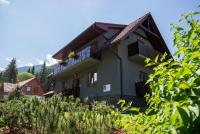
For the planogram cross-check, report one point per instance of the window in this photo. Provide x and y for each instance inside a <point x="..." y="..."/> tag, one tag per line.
<point x="143" y="76"/>
<point x="29" y="88"/>
<point x="92" y="78"/>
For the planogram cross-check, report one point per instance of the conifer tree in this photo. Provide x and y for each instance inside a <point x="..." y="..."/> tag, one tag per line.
<point x="10" y="74"/>
<point x="33" y="70"/>
<point x="1" y="77"/>
<point x="29" y="70"/>
<point x="43" y="74"/>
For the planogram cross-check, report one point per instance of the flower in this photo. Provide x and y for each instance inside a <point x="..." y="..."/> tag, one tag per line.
<point x="72" y="54"/>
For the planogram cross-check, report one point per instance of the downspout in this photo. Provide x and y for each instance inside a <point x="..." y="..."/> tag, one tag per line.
<point x="118" y="57"/>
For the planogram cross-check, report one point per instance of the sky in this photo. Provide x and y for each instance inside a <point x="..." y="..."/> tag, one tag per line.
<point x="33" y="30"/>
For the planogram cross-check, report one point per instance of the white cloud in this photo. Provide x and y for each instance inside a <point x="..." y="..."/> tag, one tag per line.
<point x="30" y="64"/>
<point x="8" y="59"/>
<point x="6" y="2"/>
<point x="39" y="62"/>
<point x="49" y="60"/>
<point x="2" y="69"/>
<point x="19" y="61"/>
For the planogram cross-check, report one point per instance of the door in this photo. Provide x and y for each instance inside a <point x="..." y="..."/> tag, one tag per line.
<point x="76" y="87"/>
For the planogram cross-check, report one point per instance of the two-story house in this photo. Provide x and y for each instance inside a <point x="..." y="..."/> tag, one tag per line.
<point x="106" y="61"/>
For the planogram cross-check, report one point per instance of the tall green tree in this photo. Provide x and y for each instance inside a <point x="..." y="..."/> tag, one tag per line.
<point x="43" y="74"/>
<point x="10" y="74"/>
<point x="1" y="77"/>
<point x="33" y="70"/>
<point x="29" y="70"/>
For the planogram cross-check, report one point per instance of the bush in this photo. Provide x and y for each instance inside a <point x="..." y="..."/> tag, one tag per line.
<point x="59" y="115"/>
<point x="174" y="105"/>
<point x="24" y="76"/>
<point x="16" y="94"/>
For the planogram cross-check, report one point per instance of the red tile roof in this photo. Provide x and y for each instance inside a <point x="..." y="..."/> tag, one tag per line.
<point x="129" y="28"/>
<point x="87" y="35"/>
<point x="90" y="33"/>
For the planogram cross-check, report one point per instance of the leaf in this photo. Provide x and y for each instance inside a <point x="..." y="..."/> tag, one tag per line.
<point x="198" y="72"/>
<point x="134" y="109"/>
<point x="156" y="59"/>
<point x="194" y="109"/>
<point x="186" y="71"/>
<point x="183" y="85"/>
<point x="147" y="60"/>
<point x="174" y="117"/>
<point x="184" y="115"/>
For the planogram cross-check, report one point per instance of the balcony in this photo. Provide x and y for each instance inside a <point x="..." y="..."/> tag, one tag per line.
<point x="85" y="58"/>
<point x="138" y="52"/>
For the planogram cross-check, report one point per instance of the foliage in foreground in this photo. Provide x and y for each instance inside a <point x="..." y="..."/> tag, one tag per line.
<point x="58" y="115"/>
<point x="174" y="105"/>
<point x="16" y="94"/>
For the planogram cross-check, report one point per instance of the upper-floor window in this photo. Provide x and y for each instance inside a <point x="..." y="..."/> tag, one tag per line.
<point x="143" y="76"/>
<point x="92" y="78"/>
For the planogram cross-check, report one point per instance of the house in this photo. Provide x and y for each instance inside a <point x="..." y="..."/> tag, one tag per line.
<point x="30" y="87"/>
<point x="106" y="61"/>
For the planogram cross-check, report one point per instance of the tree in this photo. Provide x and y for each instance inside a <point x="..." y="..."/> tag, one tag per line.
<point x="16" y="94"/>
<point x="29" y="70"/>
<point x="10" y="74"/>
<point x="24" y="76"/>
<point x="43" y="75"/>
<point x="33" y="70"/>
<point x="1" y="77"/>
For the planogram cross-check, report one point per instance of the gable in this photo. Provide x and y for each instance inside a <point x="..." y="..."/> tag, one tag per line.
<point x="148" y="26"/>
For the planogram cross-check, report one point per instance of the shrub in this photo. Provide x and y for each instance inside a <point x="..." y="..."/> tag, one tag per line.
<point x="16" y="94"/>
<point x="59" y="115"/>
<point x="24" y="76"/>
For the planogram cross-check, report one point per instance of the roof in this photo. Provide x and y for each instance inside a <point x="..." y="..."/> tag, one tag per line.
<point x="129" y="28"/>
<point x="90" y="33"/>
<point x="22" y="83"/>
<point x="9" y="87"/>
<point x="48" y="93"/>
<point x="86" y="36"/>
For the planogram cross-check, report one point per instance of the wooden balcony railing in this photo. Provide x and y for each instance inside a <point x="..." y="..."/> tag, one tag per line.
<point x="142" y="49"/>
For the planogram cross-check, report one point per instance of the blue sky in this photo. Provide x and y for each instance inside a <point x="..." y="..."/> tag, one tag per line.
<point x="33" y="30"/>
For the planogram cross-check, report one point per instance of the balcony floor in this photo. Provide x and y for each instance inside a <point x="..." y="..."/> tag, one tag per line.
<point x="140" y="59"/>
<point x="76" y="68"/>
